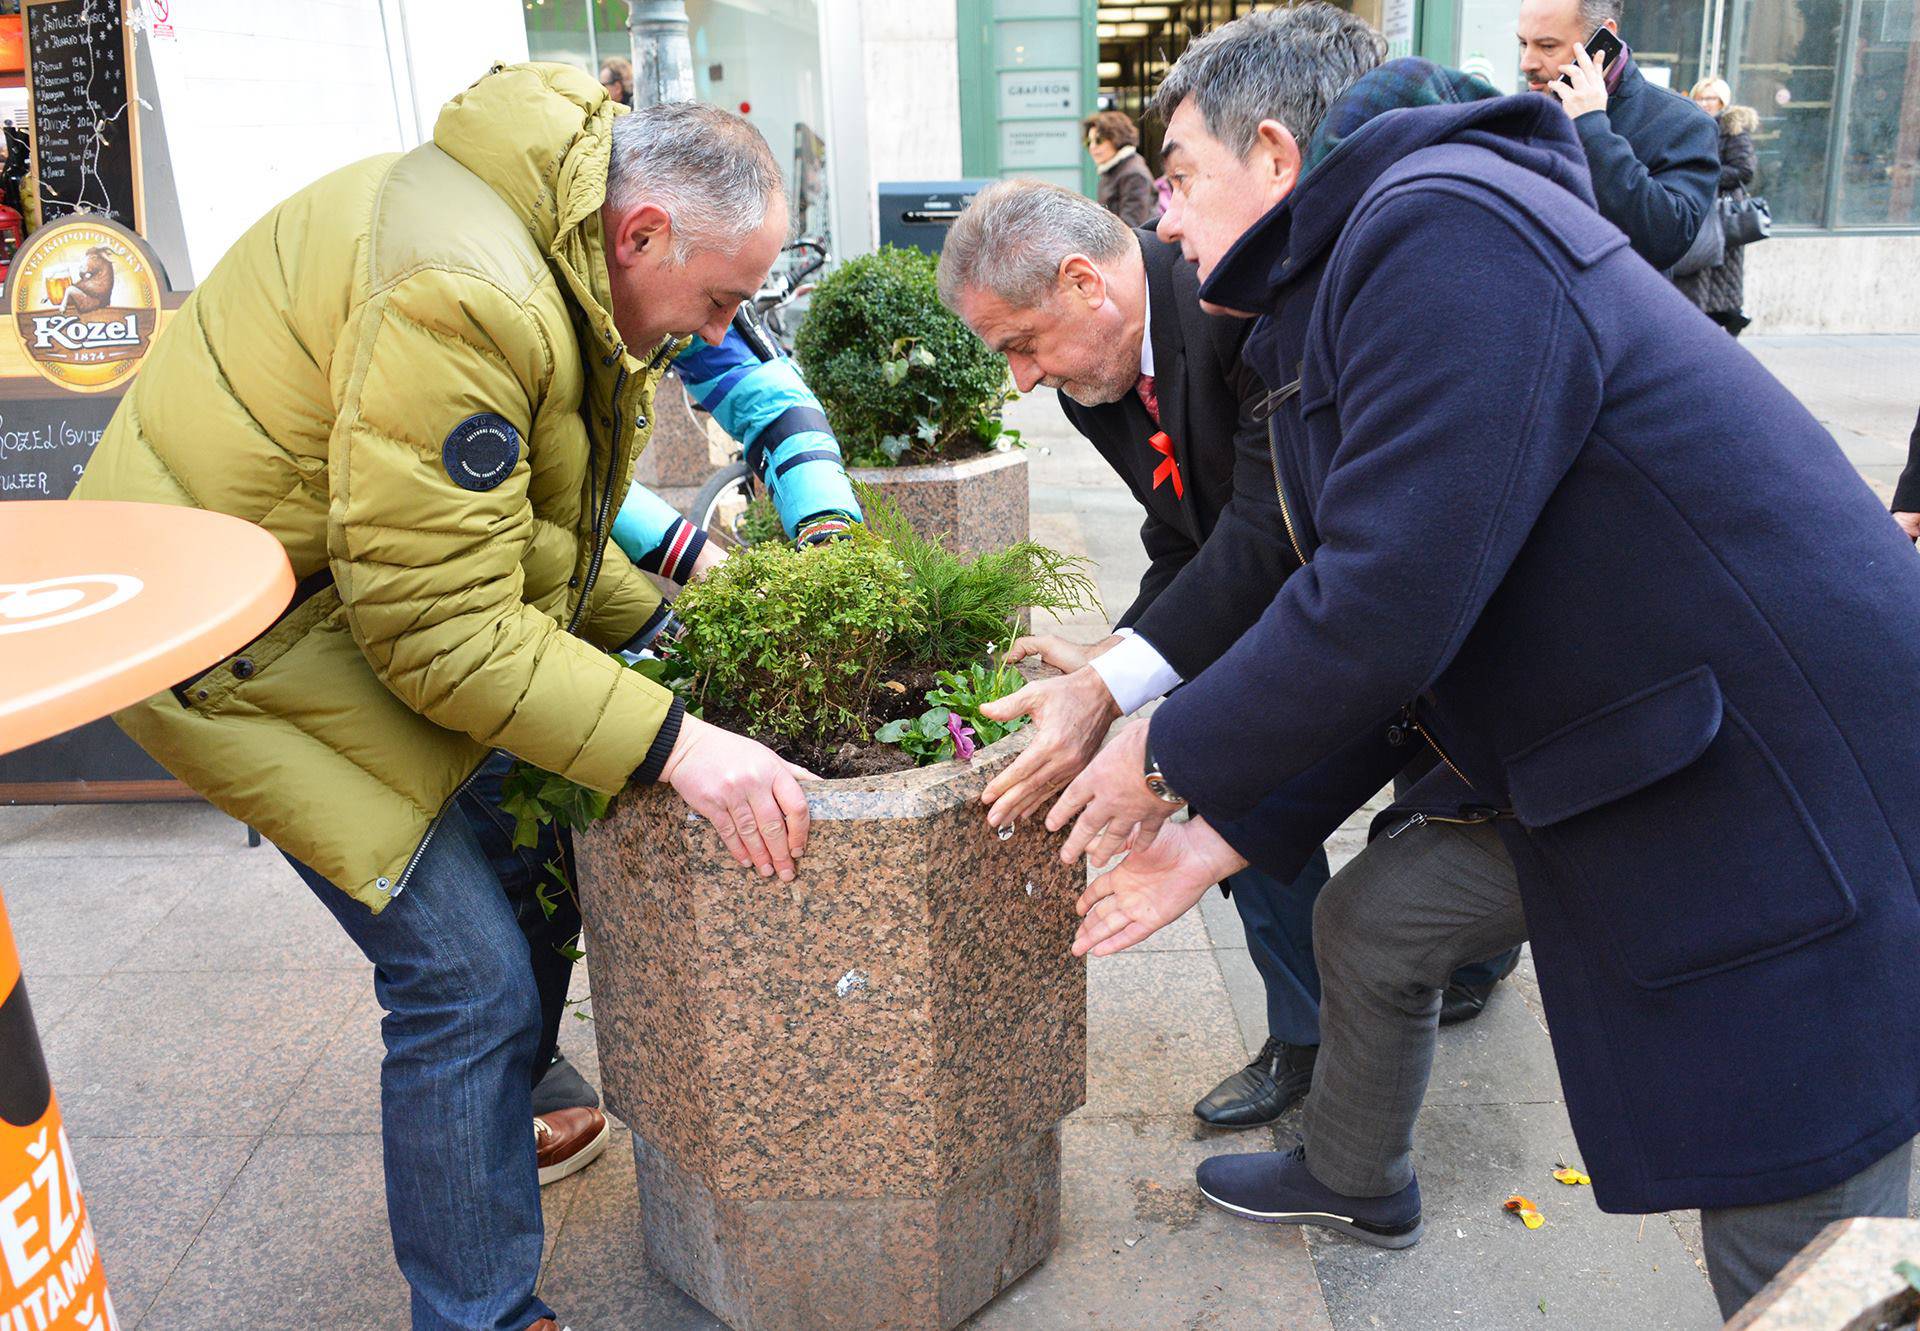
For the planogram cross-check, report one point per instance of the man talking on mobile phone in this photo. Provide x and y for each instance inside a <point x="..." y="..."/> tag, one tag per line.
<point x="1655" y="157"/>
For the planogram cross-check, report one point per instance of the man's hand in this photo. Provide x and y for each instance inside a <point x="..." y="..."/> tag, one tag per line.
<point x="1064" y="656"/>
<point x="1910" y="524"/>
<point x="1114" y="807"/>
<point x="1154" y="886"/>
<point x="752" y="797"/>
<point x="711" y="556"/>
<point x="1070" y="716"/>
<point x="1584" y="88"/>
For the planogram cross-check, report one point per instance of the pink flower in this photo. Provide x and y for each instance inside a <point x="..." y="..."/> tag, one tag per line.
<point x="963" y="745"/>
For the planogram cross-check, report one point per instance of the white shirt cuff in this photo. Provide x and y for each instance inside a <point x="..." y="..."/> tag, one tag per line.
<point x="1135" y="673"/>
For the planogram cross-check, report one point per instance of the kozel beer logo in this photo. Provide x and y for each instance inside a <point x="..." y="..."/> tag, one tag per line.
<point x="86" y="303"/>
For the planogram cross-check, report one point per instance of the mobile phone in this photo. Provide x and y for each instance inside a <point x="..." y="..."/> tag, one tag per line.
<point x="1605" y="48"/>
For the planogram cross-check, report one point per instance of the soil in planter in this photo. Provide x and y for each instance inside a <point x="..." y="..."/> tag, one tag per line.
<point x="900" y="694"/>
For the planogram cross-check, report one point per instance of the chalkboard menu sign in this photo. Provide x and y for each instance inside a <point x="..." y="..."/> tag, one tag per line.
<point x="81" y="102"/>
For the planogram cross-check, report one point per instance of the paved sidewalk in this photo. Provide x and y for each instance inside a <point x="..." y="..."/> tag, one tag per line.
<point x="214" y="1042"/>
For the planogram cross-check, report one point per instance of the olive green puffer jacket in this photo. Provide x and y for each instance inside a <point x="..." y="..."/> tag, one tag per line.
<point x="356" y="350"/>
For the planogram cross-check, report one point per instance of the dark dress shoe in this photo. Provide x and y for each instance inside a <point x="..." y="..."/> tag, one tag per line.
<point x="1260" y="1092"/>
<point x="1463" y="1002"/>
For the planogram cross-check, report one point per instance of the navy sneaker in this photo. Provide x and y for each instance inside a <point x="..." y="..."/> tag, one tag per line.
<point x="1274" y="1187"/>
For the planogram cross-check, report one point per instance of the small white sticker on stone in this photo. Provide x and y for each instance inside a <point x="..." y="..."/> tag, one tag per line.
<point x="1004" y="831"/>
<point x="851" y="983"/>
<point x="1030" y="888"/>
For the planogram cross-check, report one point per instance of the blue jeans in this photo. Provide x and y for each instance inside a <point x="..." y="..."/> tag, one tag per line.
<point x="465" y="965"/>
<point x="1278" y="918"/>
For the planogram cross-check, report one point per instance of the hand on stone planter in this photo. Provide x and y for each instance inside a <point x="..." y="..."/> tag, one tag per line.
<point x="1071" y="715"/>
<point x="1154" y="886"/>
<point x="1064" y="656"/>
<point x="1114" y="808"/>
<point x="751" y="796"/>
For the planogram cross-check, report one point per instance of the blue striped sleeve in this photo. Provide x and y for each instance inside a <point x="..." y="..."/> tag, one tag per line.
<point x="655" y="537"/>
<point x="769" y="409"/>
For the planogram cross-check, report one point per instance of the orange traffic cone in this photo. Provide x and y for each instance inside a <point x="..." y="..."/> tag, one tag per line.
<point x="50" y="1274"/>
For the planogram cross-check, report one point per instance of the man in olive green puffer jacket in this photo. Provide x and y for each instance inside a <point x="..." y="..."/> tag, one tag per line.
<point x="428" y="376"/>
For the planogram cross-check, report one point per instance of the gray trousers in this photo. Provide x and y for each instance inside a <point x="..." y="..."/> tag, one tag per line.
<point x="1388" y="930"/>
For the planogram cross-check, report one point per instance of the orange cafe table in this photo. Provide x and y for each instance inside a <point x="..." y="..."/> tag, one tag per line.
<point x="101" y="605"/>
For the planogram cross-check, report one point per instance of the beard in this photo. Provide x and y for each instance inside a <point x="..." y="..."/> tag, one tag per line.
<point x="1090" y="393"/>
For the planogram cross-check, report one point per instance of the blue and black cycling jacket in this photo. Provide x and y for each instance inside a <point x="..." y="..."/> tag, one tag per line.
<point x="764" y="405"/>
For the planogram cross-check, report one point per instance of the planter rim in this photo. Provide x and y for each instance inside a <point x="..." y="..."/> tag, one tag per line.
<point x="995" y="460"/>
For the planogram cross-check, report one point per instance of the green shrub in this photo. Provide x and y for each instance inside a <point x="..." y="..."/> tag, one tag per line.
<point x="792" y="640"/>
<point x="973" y="606"/>
<point x="902" y="379"/>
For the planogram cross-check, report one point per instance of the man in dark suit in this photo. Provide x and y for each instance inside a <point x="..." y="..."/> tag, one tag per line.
<point x="1112" y="319"/>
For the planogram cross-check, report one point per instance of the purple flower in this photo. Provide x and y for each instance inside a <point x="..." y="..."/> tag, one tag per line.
<point x="963" y="745"/>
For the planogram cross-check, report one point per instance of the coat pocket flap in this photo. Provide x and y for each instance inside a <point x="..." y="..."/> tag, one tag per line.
<point x="1623" y="747"/>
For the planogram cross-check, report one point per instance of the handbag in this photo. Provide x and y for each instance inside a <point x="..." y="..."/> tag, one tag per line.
<point x="1744" y="220"/>
<point x="1708" y="250"/>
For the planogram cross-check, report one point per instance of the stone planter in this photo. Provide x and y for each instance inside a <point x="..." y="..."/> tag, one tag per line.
<point x="973" y="506"/>
<point x="685" y="448"/>
<point x="1842" y="1281"/>
<point x="845" y="1092"/>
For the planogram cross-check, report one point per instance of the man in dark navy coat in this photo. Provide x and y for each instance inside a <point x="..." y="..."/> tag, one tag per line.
<point x="1671" y="632"/>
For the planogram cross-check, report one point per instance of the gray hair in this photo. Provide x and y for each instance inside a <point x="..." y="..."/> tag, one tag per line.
<point x="1595" y="13"/>
<point x="1286" y="65"/>
<point x="1014" y="235"/>
<point x="709" y="169"/>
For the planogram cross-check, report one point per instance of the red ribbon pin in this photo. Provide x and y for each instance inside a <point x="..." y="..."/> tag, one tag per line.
<point x="1164" y="447"/>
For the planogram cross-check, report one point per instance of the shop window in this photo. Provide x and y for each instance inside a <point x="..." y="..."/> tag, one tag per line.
<point x="1787" y="70"/>
<point x="1880" y="163"/>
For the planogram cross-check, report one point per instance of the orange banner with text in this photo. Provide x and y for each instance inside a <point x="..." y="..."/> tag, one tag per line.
<point x="50" y="1273"/>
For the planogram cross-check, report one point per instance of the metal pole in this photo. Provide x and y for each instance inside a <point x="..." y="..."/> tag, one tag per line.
<point x="662" y="54"/>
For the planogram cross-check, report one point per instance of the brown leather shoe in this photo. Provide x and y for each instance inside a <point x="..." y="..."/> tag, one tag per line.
<point x="568" y="1140"/>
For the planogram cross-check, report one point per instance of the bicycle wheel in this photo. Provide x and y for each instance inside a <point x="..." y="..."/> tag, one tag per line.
<point x="721" y="505"/>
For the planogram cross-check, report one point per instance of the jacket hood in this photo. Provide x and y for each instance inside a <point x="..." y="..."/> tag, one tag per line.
<point x="1395" y="111"/>
<point x="1739" y="120"/>
<point x="541" y="136"/>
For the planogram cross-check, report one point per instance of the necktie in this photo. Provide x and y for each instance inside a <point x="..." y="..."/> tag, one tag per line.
<point x="1148" y="398"/>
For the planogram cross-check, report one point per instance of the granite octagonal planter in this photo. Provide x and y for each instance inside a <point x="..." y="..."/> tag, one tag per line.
<point x="845" y="1092"/>
<point x="974" y="505"/>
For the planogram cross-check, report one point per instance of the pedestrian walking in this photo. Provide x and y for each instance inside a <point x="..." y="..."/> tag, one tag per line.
<point x="1720" y="291"/>
<point x="1126" y="186"/>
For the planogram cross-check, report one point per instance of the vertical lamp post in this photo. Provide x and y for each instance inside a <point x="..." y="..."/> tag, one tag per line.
<point x="662" y="55"/>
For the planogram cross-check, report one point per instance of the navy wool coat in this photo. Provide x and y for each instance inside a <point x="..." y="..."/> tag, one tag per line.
<point x="1640" y="597"/>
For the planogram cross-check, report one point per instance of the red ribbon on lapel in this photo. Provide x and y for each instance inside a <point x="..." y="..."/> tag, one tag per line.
<point x="1164" y="447"/>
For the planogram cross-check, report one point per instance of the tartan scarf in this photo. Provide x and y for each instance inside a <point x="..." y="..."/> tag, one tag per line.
<point x="1409" y="81"/>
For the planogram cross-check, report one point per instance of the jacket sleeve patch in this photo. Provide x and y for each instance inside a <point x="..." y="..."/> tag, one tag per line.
<point x="480" y="452"/>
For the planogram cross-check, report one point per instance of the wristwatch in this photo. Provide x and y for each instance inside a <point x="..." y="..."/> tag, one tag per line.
<point x="1157" y="781"/>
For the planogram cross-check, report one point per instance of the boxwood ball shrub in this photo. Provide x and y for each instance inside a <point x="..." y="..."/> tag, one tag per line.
<point x="793" y="641"/>
<point x="901" y="377"/>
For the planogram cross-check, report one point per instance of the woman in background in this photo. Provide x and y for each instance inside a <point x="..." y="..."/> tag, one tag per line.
<point x="1126" y="186"/>
<point x="1720" y="291"/>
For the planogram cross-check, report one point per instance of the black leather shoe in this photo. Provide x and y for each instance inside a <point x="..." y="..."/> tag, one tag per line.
<point x="1260" y="1092"/>
<point x="1464" y="1002"/>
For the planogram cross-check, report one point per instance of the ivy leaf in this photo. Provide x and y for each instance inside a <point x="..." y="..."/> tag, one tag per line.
<point x="1908" y="1271"/>
<point x="893" y="372"/>
<point x="895" y="447"/>
<point x="922" y="357"/>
